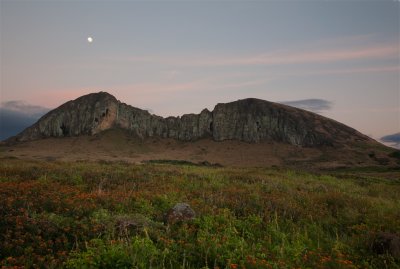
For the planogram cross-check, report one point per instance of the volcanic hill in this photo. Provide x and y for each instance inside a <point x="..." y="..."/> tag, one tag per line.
<point x="250" y="132"/>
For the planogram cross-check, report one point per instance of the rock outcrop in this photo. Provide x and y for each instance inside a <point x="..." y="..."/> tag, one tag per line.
<point x="180" y="212"/>
<point x="250" y="120"/>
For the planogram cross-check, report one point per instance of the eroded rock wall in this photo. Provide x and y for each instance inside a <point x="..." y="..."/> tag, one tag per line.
<point x="250" y="120"/>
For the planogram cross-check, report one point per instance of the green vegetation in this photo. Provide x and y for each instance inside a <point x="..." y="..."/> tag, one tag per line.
<point x="110" y="215"/>
<point x="395" y="154"/>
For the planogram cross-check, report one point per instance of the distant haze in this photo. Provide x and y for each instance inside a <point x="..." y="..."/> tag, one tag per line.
<point x="336" y="58"/>
<point x="393" y="140"/>
<point x="15" y="116"/>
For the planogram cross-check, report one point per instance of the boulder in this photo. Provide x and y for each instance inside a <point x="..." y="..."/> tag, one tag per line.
<point x="180" y="212"/>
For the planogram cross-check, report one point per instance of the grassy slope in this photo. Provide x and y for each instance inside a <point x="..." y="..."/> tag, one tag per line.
<point x="110" y="215"/>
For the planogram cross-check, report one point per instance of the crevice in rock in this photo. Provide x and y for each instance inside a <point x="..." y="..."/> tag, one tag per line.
<point x="64" y="129"/>
<point x="258" y="126"/>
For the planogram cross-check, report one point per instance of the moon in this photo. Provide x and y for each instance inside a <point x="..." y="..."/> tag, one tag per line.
<point x="90" y="39"/>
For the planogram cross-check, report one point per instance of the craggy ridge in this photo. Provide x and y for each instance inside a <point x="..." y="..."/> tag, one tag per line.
<point x="249" y="120"/>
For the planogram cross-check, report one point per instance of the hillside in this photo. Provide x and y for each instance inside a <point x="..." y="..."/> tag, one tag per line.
<point x="249" y="120"/>
<point x="120" y="145"/>
<point x="248" y="132"/>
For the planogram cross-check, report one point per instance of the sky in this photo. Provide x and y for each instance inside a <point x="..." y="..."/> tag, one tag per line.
<point x="337" y="58"/>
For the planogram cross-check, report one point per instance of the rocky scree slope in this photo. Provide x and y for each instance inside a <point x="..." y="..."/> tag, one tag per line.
<point x="250" y="120"/>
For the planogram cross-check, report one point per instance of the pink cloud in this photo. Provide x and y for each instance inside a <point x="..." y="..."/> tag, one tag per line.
<point x="371" y="69"/>
<point x="378" y="69"/>
<point x="285" y="57"/>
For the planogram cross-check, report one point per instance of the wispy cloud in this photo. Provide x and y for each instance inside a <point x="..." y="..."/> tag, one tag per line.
<point x="285" y="57"/>
<point x="314" y="105"/>
<point x="370" y="69"/>
<point x="304" y="72"/>
<point x="328" y="53"/>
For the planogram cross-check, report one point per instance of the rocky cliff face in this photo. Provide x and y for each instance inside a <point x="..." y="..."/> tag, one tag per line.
<point x="249" y="120"/>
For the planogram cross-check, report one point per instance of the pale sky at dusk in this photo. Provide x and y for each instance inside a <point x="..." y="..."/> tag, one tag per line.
<point x="177" y="57"/>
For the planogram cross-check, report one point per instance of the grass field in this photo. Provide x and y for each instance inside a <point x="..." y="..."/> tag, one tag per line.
<point x="110" y="215"/>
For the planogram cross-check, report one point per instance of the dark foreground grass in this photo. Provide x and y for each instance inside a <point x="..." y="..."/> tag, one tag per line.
<point x="110" y="215"/>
